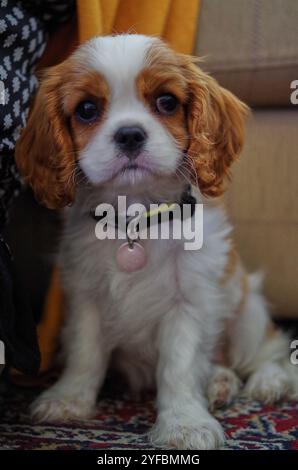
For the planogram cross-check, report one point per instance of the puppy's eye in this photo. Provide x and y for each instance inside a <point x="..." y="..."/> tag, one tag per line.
<point x="87" y="111"/>
<point x="167" y="104"/>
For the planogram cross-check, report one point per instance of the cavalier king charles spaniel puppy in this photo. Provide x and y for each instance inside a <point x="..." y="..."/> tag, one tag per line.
<point x="126" y="115"/>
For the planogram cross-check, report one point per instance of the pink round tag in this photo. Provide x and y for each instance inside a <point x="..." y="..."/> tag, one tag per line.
<point x="131" y="258"/>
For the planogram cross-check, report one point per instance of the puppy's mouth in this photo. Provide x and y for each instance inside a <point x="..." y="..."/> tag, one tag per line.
<point x="134" y="173"/>
<point x="131" y="166"/>
<point x="131" y="171"/>
<point x="136" y="167"/>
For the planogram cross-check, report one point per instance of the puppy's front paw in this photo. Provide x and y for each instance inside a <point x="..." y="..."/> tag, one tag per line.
<point x="184" y="432"/>
<point x="223" y="387"/>
<point x="269" y="384"/>
<point x="53" y="406"/>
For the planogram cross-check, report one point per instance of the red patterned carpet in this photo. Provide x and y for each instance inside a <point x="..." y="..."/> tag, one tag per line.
<point x="122" y="424"/>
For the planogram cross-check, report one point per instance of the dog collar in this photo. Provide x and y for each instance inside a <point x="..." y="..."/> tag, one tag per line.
<point x="131" y="255"/>
<point x="187" y="199"/>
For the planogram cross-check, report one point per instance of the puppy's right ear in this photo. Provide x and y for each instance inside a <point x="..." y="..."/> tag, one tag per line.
<point x="216" y="122"/>
<point x="44" y="152"/>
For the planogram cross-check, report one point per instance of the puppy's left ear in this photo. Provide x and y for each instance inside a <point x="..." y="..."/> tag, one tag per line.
<point x="216" y="121"/>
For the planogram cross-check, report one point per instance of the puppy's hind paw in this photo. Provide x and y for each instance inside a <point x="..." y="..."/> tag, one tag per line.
<point x="224" y="386"/>
<point x="269" y="384"/>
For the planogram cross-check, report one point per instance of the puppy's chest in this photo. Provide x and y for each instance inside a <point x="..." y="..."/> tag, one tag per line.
<point x="171" y="275"/>
<point x="143" y="291"/>
<point x="170" y="278"/>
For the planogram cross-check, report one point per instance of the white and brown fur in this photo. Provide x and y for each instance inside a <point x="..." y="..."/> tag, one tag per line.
<point x="161" y="326"/>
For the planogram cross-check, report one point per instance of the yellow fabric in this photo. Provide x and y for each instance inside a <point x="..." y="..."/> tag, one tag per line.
<point x="49" y="328"/>
<point x="175" y="21"/>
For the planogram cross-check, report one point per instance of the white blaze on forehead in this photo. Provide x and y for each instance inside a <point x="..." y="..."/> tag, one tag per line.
<point x="118" y="58"/>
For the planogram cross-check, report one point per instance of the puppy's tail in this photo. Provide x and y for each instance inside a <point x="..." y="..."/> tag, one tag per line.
<point x="250" y="328"/>
<point x="257" y="341"/>
<point x="279" y="348"/>
<point x="256" y="282"/>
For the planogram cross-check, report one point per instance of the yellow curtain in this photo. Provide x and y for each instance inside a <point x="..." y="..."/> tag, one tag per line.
<point x="175" y="21"/>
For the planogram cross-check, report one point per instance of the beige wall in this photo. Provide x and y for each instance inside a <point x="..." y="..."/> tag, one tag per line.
<point x="263" y="203"/>
<point x="251" y="47"/>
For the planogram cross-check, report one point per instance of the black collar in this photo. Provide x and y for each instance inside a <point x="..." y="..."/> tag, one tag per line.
<point x="186" y="199"/>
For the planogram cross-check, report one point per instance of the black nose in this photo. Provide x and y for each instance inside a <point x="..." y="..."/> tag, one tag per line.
<point x="130" y="138"/>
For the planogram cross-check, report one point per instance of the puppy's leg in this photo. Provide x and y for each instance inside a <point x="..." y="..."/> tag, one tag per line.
<point x="259" y="352"/>
<point x="223" y="387"/>
<point x="183" y="420"/>
<point x="74" y="394"/>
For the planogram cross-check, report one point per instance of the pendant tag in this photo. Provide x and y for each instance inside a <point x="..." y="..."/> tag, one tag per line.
<point x="131" y="257"/>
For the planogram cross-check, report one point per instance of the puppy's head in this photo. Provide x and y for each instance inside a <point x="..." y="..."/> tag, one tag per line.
<point x="125" y="109"/>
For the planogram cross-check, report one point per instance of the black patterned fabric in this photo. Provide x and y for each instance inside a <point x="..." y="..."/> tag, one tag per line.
<point x="9" y="185"/>
<point x="24" y="29"/>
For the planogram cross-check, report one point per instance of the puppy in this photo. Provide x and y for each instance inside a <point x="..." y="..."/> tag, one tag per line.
<point x="126" y="115"/>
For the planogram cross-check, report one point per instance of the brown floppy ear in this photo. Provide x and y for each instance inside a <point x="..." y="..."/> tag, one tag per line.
<point x="44" y="152"/>
<point x="216" y="126"/>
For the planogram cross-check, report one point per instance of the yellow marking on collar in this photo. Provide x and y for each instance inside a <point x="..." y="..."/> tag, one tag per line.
<point x="164" y="207"/>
